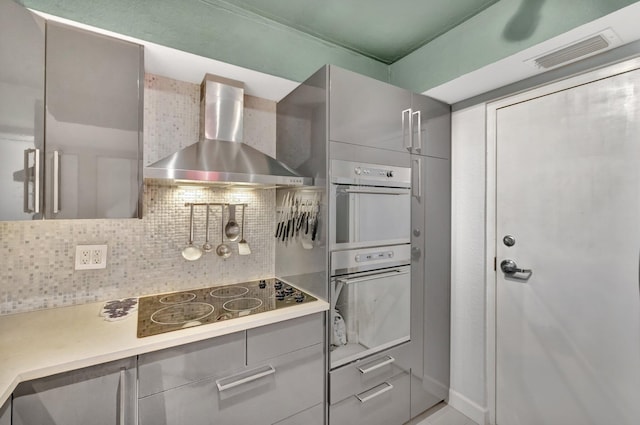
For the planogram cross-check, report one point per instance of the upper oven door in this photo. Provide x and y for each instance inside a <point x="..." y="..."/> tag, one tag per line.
<point x="371" y="205"/>
<point x="370" y="216"/>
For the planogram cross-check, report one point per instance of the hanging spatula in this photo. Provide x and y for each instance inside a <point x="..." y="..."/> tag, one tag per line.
<point x="243" y="246"/>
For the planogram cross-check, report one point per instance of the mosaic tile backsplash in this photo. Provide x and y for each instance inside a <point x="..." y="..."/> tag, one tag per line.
<point x="144" y="256"/>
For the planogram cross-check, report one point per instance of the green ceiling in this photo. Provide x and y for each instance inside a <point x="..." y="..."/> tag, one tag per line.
<point x="380" y="38"/>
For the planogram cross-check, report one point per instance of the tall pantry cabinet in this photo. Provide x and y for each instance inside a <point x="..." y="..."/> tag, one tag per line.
<point x="338" y="114"/>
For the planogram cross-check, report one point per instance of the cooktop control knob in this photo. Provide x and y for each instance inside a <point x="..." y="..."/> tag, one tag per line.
<point x="280" y="295"/>
<point x="299" y="297"/>
<point x="277" y="284"/>
<point x="390" y="173"/>
<point x="288" y="290"/>
<point x="262" y="284"/>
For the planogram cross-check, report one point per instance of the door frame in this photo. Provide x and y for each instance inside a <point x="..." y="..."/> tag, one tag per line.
<point x="490" y="196"/>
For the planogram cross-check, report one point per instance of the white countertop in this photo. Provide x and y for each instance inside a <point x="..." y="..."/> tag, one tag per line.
<point x="46" y="342"/>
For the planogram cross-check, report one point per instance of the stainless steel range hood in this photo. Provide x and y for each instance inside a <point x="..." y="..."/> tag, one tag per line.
<point x="220" y="157"/>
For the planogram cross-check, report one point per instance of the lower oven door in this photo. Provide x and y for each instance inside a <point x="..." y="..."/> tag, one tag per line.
<point x="369" y="216"/>
<point x="370" y="312"/>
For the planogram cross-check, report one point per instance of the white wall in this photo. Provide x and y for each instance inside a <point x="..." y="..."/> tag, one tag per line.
<point x="468" y="289"/>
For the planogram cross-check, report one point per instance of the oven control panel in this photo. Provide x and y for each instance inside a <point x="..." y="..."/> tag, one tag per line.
<point x="372" y="256"/>
<point x="364" y="259"/>
<point x="358" y="172"/>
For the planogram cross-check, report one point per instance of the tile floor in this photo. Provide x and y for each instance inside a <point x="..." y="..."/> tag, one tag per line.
<point x="442" y="414"/>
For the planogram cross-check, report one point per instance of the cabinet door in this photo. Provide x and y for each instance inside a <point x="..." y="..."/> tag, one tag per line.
<point x="99" y="395"/>
<point x="431" y="127"/>
<point x="368" y="112"/>
<point x="93" y="119"/>
<point x="5" y="413"/>
<point x="21" y="112"/>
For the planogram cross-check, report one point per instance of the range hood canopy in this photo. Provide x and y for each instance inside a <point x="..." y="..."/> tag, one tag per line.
<point x="220" y="157"/>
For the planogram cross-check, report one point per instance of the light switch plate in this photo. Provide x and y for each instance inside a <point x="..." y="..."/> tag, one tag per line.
<point x="91" y="257"/>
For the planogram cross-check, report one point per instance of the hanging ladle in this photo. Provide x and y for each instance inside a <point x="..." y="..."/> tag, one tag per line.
<point x="207" y="247"/>
<point x="223" y="249"/>
<point x="232" y="230"/>
<point x="191" y="252"/>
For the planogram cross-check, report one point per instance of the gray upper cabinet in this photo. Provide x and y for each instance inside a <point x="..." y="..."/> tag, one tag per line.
<point x="368" y="112"/>
<point x="93" y="120"/>
<point x="21" y="112"/>
<point x="431" y="122"/>
<point x="76" y="150"/>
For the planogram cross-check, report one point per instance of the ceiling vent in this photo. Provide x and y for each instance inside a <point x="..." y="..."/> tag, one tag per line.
<point x="604" y="40"/>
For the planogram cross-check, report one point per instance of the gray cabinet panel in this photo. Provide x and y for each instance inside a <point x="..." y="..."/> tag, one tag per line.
<point x="22" y="47"/>
<point x="99" y="395"/>
<point x="5" y="413"/>
<point x="93" y="120"/>
<point x="430" y="296"/>
<point x="280" y="338"/>
<point x="312" y="416"/>
<point x="170" y="368"/>
<point x="365" y="111"/>
<point x="435" y="127"/>
<point x="349" y="379"/>
<point x="296" y="383"/>
<point x="384" y="404"/>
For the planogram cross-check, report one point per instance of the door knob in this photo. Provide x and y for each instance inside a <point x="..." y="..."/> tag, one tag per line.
<point x="510" y="267"/>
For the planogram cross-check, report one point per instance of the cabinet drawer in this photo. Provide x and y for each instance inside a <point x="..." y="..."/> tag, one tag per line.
<point x="173" y="367"/>
<point x="312" y="416"/>
<point x="384" y="404"/>
<point x="366" y="373"/>
<point x="269" y="341"/>
<point x="297" y="382"/>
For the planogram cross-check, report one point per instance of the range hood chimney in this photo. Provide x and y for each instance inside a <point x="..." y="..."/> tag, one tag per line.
<point x="220" y="157"/>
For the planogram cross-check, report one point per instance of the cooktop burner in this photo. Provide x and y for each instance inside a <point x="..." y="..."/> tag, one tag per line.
<point x="179" y="310"/>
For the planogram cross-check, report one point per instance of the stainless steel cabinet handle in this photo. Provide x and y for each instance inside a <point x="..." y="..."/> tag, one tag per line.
<point x="406" y="125"/>
<point x="387" y="387"/>
<point x="36" y="181"/>
<point x="123" y="395"/>
<point x="510" y="267"/>
<point x="416" y="185"/>
<point x="418" y="115"/>
<point x="56" y="182"/>
<point x="245" y="377"/>
<point x="383" y="363"/>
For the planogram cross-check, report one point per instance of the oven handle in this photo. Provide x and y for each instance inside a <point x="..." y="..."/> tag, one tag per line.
<point x="376" y="191"/>
<point x="347" y="281"/>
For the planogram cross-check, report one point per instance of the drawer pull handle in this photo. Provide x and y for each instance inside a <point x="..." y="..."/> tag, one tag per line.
<point x="389" y="360"/>
<point x="245" y="377"/>
<point x="388" y="387"/>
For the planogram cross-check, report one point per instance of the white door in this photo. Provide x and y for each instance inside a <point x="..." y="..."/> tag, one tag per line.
<point x="568" y="192"/>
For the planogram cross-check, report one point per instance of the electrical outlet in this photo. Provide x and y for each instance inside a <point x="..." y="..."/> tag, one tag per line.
<point x="91" y="257"/>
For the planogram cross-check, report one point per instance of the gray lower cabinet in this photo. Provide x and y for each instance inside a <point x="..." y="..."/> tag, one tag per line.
<point x="375" y="390"/>
<point x="387" y="403"/>
<point x="5" y="413"/>
<point x="311" y="416"/>
<point x="98" y="395"/>
<point x="266" y="375"/>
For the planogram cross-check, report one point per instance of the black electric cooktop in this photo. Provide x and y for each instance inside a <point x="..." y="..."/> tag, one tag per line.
<point x="178" y="310"/>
